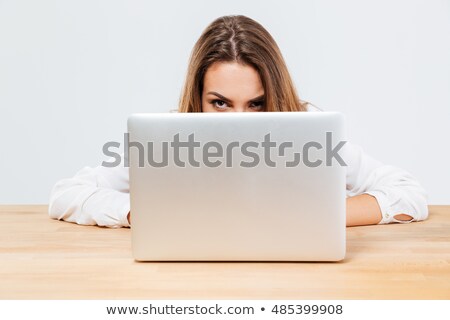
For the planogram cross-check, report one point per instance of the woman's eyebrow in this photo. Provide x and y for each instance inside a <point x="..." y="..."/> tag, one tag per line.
<point x="228" y="100"/>
<point x="259" y="98"/>
<point x="219" y="96"/>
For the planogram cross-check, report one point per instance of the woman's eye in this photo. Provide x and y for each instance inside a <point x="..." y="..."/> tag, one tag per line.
<point x="219" y="104"/>
<point x="258" y="105"/>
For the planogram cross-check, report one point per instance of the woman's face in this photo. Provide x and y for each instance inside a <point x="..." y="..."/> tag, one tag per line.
<point x="232" y="87"/>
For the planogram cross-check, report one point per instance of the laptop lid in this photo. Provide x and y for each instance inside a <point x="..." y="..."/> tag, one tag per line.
<point x="255" y="186"/>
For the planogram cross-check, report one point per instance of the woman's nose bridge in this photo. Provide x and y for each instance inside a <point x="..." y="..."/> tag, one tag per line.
<point x="240" y="108"/>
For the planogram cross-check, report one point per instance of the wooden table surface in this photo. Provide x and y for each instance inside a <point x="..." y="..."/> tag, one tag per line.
<point x="42" y="258"/>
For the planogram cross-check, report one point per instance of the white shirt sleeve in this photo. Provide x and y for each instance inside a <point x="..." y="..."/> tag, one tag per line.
<point x="94" y="196"/>
<point x="395" y="189"/>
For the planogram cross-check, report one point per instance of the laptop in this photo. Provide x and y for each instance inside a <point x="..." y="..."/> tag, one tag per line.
<point x="250" y="186"/>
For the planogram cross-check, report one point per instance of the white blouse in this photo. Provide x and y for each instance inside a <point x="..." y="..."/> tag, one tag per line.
<point x="100" y="195"/>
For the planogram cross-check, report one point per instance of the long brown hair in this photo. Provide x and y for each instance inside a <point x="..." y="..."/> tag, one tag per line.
<point x="243" y="40"/>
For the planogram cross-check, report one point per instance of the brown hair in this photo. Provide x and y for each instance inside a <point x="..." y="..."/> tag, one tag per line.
<point x="243" y="40"/>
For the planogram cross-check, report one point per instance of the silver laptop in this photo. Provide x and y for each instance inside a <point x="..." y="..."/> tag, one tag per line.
<point x="252" y="186"/>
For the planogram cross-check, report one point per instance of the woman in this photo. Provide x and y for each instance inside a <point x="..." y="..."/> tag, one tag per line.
<point x="236" y="66"/>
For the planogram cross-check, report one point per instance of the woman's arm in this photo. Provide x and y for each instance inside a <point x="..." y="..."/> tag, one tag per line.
<point x="364" y="210"/>
<point x="378" y="193"/>
<point x="94" y="196"/>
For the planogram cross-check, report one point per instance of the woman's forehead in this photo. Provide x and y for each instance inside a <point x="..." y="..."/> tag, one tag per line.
<point x="233" y="80"/>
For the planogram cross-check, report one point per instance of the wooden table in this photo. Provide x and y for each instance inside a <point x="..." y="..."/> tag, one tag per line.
<point x="45" y="259"/>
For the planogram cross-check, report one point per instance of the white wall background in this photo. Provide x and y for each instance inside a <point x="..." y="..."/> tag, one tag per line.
<point x="72" y="71"/>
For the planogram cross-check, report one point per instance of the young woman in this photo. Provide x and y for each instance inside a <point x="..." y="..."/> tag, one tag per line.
<point x="236" y="66"/>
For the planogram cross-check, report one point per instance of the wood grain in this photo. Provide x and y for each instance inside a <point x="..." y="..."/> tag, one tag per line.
<point x="45" y="259"/>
